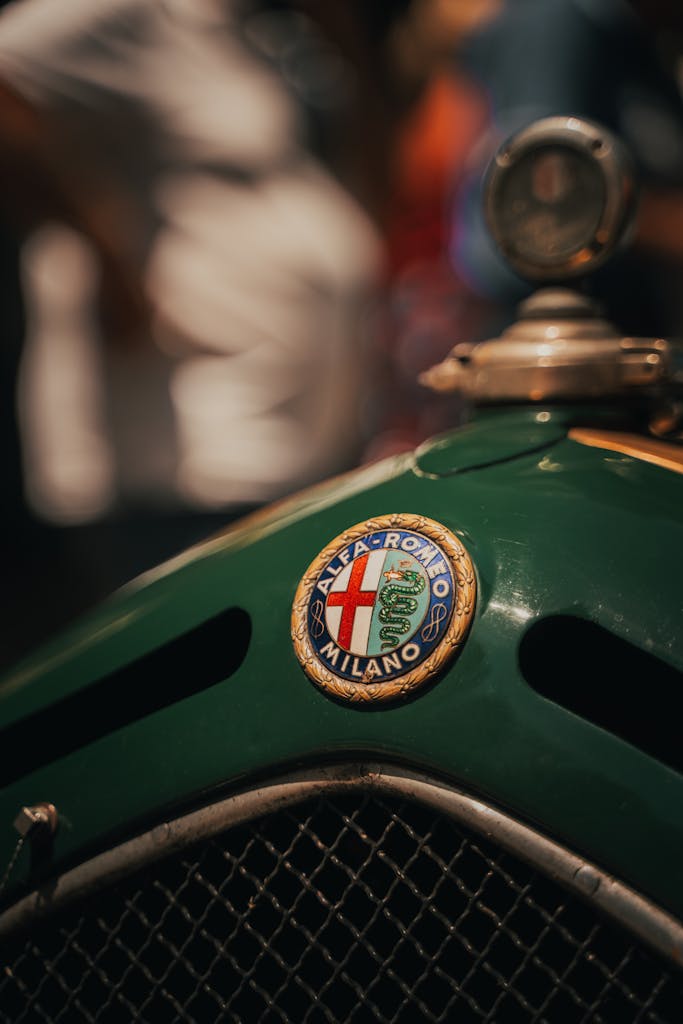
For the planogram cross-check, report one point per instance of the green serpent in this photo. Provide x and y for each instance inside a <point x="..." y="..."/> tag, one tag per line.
<point x="397" y="601"/>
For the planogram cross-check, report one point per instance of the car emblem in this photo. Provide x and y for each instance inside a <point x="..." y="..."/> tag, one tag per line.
<point x="384" y="608"/>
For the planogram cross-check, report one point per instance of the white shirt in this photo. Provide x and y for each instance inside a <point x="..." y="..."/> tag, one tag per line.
<point x="259" y="266"/>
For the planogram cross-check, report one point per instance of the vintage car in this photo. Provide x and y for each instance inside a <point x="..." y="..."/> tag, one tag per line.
<point x="406" y="746"/>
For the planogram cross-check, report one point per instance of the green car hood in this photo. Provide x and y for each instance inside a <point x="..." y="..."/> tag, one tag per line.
<point x="186" y="683"/>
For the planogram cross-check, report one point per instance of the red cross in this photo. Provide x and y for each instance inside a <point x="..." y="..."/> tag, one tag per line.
<point x="350" y="599"/>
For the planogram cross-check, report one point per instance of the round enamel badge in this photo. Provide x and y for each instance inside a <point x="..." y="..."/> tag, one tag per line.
<point x="383" y="608"/>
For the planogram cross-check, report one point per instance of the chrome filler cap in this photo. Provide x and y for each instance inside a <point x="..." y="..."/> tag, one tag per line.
<point x="560" y="347"/>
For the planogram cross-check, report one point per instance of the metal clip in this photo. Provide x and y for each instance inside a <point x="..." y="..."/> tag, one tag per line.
<point x="37" y="822"/>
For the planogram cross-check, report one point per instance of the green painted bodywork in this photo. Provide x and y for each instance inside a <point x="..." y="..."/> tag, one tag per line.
<point x="552" y="526"/>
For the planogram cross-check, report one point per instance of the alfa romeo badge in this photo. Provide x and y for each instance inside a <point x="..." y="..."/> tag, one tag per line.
<point x="384" y="608"/>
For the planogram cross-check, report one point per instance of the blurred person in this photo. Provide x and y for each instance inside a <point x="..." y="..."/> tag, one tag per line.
<point x="182" y="159"/>
<point x="200" y="175"/>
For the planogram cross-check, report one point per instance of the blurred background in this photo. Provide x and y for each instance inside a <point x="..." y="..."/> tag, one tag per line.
<point x="233" y="233"/>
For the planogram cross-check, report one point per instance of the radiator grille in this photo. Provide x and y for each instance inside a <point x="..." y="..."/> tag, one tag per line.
<point x="350" y="908"/>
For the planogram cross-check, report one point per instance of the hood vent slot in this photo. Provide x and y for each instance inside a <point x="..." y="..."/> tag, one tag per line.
<point x="608" y="681"/>
<point x="188" y="664"/>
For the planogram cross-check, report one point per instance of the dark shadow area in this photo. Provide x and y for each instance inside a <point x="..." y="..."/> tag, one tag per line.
<point x="187" y="665"/>
<point x="609" y="682"/>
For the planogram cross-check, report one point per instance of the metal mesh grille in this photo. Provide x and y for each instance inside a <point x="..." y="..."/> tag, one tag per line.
<point x="351" y="908"/>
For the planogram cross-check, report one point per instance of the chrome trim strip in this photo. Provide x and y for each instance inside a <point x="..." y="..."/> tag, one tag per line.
<point x="639" y="915"/>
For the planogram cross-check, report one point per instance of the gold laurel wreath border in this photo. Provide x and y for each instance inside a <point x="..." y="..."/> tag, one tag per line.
<point x="461" y="615"/>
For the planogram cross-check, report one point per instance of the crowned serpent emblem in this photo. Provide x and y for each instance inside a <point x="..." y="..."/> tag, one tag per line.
<point x="398" y="600"/>
<point x="383" y="608"/>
